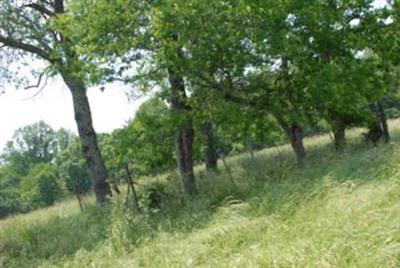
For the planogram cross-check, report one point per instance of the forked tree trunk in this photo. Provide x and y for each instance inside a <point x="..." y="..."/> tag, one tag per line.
<point x="184" y="135"/>
<point x="295" y="134"/>
<point x="88" y="138"/>
<point x="210" y="153"/>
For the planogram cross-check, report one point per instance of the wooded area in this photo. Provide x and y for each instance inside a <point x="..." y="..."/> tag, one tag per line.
<point x="232" y="69"/>
<point x="222" y="78"/>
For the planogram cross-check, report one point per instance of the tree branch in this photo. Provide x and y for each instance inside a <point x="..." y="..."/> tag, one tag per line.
<point x="38" y="82"/>
<point x="41" y="9"/>
<point x="10" y="42"/>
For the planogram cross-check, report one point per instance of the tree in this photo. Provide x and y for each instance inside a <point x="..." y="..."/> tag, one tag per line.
<point x="9" y="198"/>
<point x="336" y="76"/>
<point x="146" y="143"/>
<point x="32" y="144"/>
<point x="28" y="28"/>
<point x="380" y="41"/>
<point x="40" y="187"/>
<point x="135" y="41"/>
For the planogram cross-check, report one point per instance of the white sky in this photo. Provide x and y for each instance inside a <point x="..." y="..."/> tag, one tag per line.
<point x="380" y="3"/>
<point x="110" y="109"/>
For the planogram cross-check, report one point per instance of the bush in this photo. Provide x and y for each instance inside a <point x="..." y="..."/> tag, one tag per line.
<point x="9" y="202"/>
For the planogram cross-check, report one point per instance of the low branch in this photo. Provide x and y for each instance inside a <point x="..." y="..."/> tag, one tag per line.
<point x="38" y="82"/>
<point x="226" y="93"/>
<point x="12" y="43"/>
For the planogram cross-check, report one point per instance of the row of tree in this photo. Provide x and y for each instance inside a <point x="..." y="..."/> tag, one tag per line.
<point x="217" y="64"/>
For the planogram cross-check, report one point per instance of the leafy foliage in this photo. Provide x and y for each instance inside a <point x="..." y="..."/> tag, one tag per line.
<point x="40" y="187"/>
<point x="72" y="169"/>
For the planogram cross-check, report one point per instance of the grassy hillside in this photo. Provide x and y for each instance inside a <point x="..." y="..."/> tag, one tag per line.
<point x="335" y="211"/>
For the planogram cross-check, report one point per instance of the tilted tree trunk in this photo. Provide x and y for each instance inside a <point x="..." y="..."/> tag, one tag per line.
<point x="184" y="135"/>
<point x="88" y="138"/>
<point x="210" y="152"/>
<point x="295" y="134"/>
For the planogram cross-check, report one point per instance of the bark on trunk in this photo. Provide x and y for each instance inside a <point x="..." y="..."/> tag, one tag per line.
<point x="184" y="135"/>
<point x="295" y="135"/>
<point x="184" y="152"/>
<point x="296" y="139"/>
<point x="210" y="153"/>
<point x="383" y="122"/>
<point x="340" y="139"/>
<point x="88" y="138"/>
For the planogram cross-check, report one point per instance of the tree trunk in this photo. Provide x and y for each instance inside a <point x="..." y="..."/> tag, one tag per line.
<point x="184" y="135"/>
<point x="296" y="140"/>
<point x="295" y="135"/>
<point x="383" y="122"/>
<point x="210" y="153"/>
<point x="184" y="153"/>
<point x="88" y="138"/>
<point x="339" y="133"/>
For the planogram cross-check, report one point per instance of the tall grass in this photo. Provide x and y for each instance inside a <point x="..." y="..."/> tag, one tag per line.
<point x="333" y="211"/>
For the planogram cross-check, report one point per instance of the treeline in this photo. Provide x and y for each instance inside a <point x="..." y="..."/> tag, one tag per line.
<point x="241" y="66"/>
<point x="40" y="166"/>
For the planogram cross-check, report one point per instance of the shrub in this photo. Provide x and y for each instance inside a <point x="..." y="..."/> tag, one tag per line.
<point x="9" y="202"/>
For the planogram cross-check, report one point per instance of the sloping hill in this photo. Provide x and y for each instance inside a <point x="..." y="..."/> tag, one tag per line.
<point x="335" y="211"/>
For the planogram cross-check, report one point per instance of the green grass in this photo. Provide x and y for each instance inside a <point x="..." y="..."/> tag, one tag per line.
<point x="334" y="211"/>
